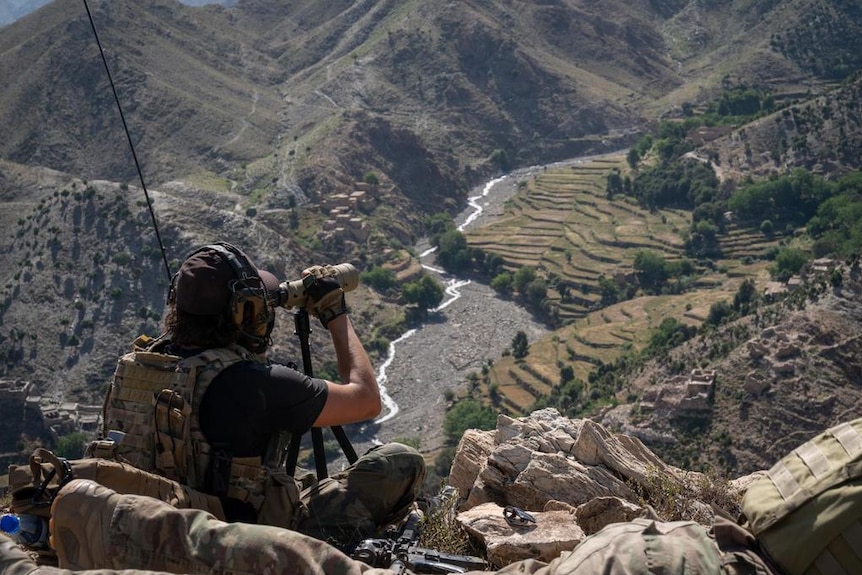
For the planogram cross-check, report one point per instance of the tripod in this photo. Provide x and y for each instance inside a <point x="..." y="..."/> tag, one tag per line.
<point x="302" y="329"/>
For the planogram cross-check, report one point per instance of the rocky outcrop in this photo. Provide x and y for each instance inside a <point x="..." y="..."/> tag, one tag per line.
<point x="571" y="477"/>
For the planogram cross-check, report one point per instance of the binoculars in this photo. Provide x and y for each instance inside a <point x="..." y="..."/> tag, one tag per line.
<point x="292" y="293"/>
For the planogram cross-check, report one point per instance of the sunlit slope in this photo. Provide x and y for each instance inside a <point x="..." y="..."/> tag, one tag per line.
<point x="562" y="223"/>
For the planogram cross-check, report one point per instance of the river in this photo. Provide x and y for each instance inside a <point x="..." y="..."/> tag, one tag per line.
<point x="471" y="326"/>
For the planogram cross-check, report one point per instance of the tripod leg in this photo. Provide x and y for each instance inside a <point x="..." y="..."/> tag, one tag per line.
<point x="301" y="323"/>
<point x="292" y="454"/>
<point x="319" y="452"/>
<point x="345" y="444"/>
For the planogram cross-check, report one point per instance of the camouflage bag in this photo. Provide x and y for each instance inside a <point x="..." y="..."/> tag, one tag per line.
<point x="806" y="512"/>
<point x="641" y="547"/>
<point x="34" y="485"/>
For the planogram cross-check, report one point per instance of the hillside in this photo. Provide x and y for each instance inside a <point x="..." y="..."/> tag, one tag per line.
<point x="564" y="223"/>
<point x="253" y="123"/>
<point x="780" y="376"/>
<point x="300" y="104"/>
<point x="14" y="9"/>
<point x="732" y="398"/>
<point x="822" y="135"/>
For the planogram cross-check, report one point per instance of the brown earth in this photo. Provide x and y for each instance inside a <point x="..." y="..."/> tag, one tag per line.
<point x="782" y="375"/>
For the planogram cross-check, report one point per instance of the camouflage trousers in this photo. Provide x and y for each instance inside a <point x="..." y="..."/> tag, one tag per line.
<point x="94" y="529"/>
<point x="377" y="490"/>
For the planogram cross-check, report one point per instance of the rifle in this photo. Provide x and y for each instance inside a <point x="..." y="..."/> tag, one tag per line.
<point x="402" y="553"/>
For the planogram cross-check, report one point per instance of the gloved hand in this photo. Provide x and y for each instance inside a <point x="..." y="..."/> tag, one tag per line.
<point x="325" y="298"/>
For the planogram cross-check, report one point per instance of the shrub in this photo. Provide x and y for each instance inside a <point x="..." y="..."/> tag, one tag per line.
<point x="467" y="414"/>
<point x="380" y="279"/>
<point x="71" y="446"/>
<point x="502" y="283"/>
<point x="520" y="345"/>
<point x="371" y="178"/>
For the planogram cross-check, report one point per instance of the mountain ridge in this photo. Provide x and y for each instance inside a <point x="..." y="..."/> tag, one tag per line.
<point x="248" y="119"/>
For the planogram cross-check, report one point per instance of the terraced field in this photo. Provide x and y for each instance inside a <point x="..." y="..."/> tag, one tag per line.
<point x="562" y="224"/>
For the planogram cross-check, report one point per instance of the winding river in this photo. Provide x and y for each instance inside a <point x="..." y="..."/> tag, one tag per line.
<point x="471" y="326"/>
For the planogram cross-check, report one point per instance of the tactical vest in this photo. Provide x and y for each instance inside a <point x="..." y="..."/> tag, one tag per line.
<point x="806" y="511"/>
<point x="151" y="412"/>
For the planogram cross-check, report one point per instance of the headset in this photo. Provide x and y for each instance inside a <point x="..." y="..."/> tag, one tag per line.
<point x="249" y="308"/>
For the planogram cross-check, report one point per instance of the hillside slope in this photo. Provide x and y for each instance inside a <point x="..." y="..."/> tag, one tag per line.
<point x="248" y="120"/>
<point x="781" y="375"/>
<point x="300" y="102"/>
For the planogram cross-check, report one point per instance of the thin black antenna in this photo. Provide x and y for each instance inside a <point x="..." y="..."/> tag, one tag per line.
<point x="131" y="145"/>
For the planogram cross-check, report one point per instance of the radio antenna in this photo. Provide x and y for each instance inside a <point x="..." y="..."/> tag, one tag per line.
<point x="131" y="145"/>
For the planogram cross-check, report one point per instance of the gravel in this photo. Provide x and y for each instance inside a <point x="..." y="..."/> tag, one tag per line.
<point x="471" y="326"/>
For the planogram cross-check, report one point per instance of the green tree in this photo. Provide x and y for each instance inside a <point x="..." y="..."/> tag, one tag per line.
<point x="522" y="278"/>
<point x="494" y="264"/>
<point x="379" y="278"/>
<point x="436" y="224"/>
<point x="536" y="291"/>
<point x="745" y="298"/>
<point x="467" y="414"/>
<point x="520" y="345"/>
<point x="670" y="333"/>
<point x="788" y="262"/>
<point x="427" y="293"/>
<point x="615" y="184"/>
<point x="702" y="241"/>
<point x="502" y="283"/>
<point x="71" y="446"/>
<point x="609" y="290"/>
<point x="633" y="157"/>
<point x="718" y="312"/>
<point x="371" y="178"/>
<point x="650" y="268"/>
<point x="453" y="252"/>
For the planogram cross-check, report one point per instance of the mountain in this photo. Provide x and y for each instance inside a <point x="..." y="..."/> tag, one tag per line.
<point x="249" y="122"/>
<point x="12" y="10"/>
<point x="420" y="94"/>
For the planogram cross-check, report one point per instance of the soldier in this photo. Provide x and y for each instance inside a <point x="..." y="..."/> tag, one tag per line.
<point x="221" y="405"/>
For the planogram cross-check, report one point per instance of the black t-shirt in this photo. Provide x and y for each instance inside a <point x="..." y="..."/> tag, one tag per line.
<point x="248" y="402"/>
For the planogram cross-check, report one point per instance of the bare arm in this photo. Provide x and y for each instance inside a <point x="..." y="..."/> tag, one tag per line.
<point x="357" y="397"/>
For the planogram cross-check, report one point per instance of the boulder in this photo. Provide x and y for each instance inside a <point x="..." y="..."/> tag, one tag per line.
<point x="553" y="532"/>
<point x="545" y="456"/>
<point x="573" y="475"/>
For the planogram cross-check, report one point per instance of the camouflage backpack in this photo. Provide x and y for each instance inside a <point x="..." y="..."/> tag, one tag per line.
<point x="806" y="512"/>
<point x="643" y="546"/>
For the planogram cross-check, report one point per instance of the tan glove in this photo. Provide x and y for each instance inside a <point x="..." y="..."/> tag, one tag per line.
<point x="325" y="299"/>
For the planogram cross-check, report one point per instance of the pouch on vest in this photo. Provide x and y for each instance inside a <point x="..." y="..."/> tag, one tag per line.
<point x="283" y="507"/>
<point x="172" y="415"/>
<point x="141" y="377"/>
<point x="806" y="512"/>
